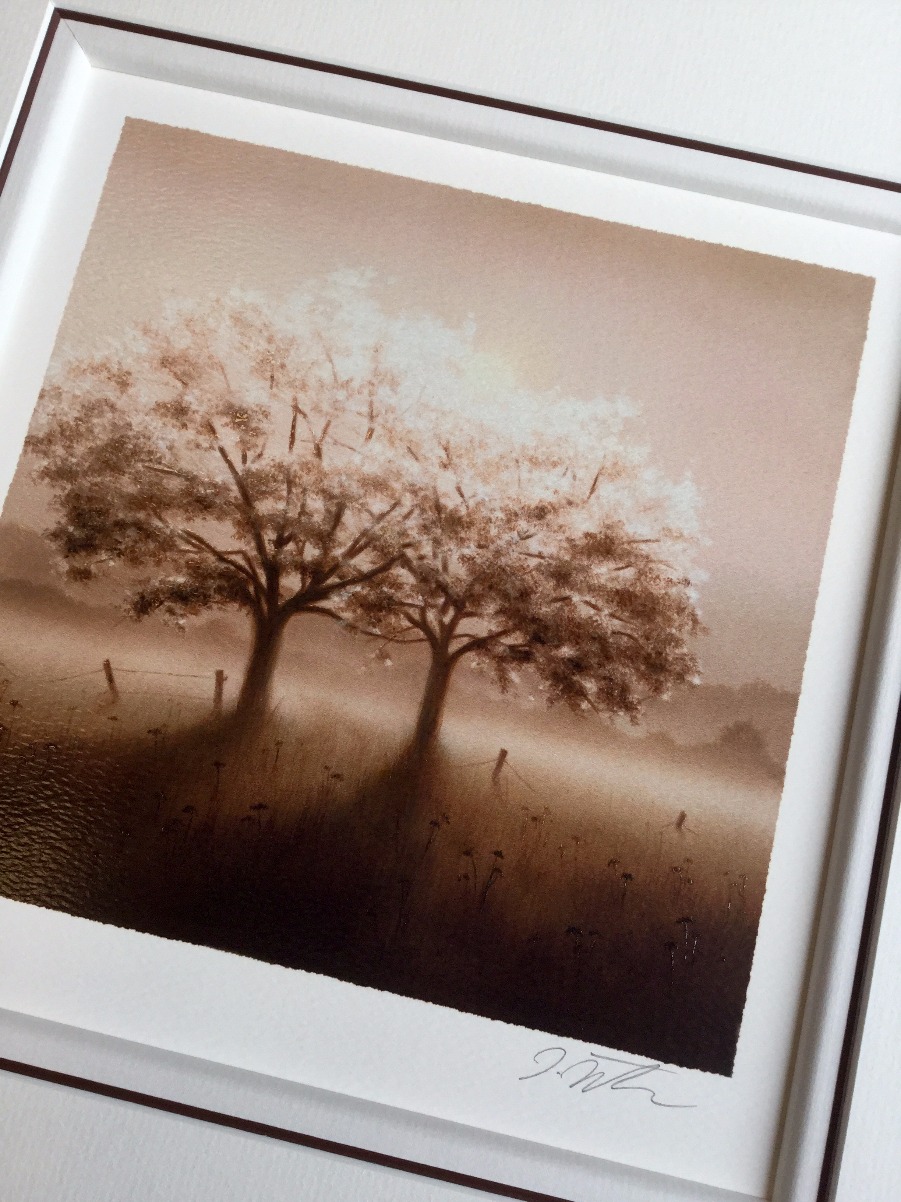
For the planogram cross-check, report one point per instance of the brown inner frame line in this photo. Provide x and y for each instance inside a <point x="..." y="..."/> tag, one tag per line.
<point x="844" y="1085"/>
<point x="494" y="102"/>
<point x="284" y="1134"/>
<point x="870" y="929"/>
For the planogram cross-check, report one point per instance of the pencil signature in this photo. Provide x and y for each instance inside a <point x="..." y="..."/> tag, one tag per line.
<point x="594" y="1071"/>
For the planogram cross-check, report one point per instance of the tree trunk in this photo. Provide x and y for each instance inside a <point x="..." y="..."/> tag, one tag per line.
<point x="411" y="783"/>
<point x="431" y="709"/>
<point x="254" y="696"/>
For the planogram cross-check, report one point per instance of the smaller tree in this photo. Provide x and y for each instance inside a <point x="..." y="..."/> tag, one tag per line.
<point x="525" y="561"/>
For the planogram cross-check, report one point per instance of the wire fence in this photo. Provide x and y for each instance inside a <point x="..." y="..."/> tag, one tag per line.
<point x="500" y="765"/>
<point x="217" y="679"/>
<point x="129" y="671"/>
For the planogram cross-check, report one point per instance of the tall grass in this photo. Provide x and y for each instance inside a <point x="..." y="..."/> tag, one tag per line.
<point x="566" y="895"/>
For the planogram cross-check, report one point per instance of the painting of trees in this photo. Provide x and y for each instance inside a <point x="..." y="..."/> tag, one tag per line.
<point x="327" y="460"/>
<point x="225" y="459"/>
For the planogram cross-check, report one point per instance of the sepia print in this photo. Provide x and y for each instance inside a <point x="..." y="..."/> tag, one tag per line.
<point x="413" y="586"/>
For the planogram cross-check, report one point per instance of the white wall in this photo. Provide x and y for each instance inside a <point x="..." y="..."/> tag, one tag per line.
<point x="815" y="80"/>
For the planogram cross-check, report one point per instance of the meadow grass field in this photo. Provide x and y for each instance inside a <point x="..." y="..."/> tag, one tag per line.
<point x="608" y="891"/>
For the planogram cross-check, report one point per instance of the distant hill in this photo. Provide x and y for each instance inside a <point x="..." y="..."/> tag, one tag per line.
<point x="698" y="715"/>
<point x="26" y="555"/>
<point x="31" y="580"/>
<point x="44" y="600"/>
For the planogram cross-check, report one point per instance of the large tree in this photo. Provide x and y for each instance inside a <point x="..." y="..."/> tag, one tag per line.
<point x="227" y="456"/>
<point x="563" y="557"/>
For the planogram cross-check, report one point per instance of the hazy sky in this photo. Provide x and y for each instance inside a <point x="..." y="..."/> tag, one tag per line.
<point x="743" y="365"/>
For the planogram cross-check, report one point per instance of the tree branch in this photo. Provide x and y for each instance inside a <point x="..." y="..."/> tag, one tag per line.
<point x="319" y="590"/>
<point x="337" y="519"/>
<point x="195" y="540"/>
<point x="594" y="485"/>
<point x="362" y="577"/>
<point x="378" y="634"/>
<point x="246" y="500"/>
<point x="164" y="471"/>
<point x="418" y="621"/>
<point x="258" y="585"/>
<point x="482" y="641"/>
<point x="328" y="356"/>
<point x="360" y="542"/>
<point x="435" y="581"/>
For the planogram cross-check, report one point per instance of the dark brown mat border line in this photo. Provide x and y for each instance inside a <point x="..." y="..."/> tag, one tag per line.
<point x="870" y="929"/>
<point x="862" y="971"/>
<point x="252" y="1127"/>
<point x="493" y="102"/>
<point x="28" y="98"/>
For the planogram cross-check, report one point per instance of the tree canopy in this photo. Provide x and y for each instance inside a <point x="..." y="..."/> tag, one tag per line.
<point x="327" y="457"/>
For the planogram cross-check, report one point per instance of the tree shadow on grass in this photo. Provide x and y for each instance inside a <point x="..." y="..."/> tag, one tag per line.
<point x="376" y="873"/>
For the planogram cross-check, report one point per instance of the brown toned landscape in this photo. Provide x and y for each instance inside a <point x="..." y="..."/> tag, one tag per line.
<point x="347" y="633"/>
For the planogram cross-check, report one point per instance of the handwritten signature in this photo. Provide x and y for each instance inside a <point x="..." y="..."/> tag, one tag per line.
<point x="595" y="1071"/>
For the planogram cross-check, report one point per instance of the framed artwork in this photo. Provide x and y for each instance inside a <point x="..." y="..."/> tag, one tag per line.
<point x="447" y="578"/>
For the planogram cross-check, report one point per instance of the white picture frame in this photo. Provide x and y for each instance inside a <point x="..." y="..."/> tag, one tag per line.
<point x="74" y="48"/>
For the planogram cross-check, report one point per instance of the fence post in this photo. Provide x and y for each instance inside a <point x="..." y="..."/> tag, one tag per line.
<point x="110" y="679"/>
<point x="218" y="691"/>
<point x="498" y="766"/>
